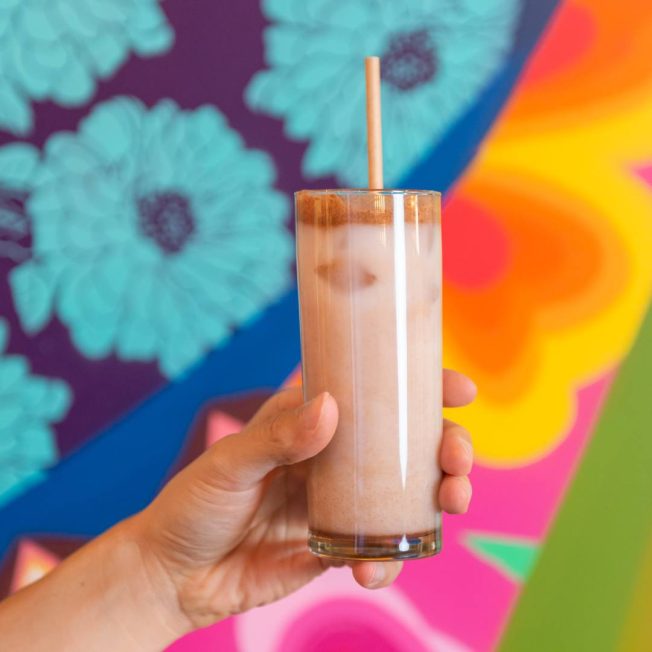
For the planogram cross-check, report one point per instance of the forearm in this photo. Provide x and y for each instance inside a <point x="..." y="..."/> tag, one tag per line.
<point x="102" y="598"/>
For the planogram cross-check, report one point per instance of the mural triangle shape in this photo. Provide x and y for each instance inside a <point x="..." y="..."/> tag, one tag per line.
<point x="512" y="556"/>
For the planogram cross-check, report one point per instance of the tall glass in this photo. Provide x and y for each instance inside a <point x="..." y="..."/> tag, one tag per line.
<point x="369" y="269"/>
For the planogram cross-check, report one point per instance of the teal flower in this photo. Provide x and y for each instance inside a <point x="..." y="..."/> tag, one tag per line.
<point x="18" y="164"/>
<point x="154" y="234"/>
<point x="436" y="57"/>
<point x="57" y="49"/>
<point x="28" y="405"/>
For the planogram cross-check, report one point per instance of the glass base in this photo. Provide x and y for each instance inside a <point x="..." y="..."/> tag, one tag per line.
<point x="362" y="547"/>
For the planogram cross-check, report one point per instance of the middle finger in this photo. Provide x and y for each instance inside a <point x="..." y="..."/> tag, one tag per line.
<point x="456" y="453"/>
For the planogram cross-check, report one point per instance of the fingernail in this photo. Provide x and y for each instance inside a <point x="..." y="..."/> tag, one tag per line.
<point x="378" y="576"/>
<point x="472" y="385"/>
<point x="468" y="448"/>
<point x="310" y="413"/>
<point x="469" y="494"/>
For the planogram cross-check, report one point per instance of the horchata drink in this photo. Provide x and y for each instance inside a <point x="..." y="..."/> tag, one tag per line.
<point x="369" y="269"/>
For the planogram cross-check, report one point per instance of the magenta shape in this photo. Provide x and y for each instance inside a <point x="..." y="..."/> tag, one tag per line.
<point x="217" y="637"/>
<point x="348" y="626"/>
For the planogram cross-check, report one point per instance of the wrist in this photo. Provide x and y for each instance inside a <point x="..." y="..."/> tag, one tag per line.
<point x="106" y="596"/>
<point x="133" y="578"/>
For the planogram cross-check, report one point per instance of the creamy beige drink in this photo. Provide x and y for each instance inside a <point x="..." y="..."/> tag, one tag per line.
<point x="369" y="267"/>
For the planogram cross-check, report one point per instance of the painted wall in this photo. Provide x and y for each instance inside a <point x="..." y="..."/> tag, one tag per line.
<point x="148" y="155"/>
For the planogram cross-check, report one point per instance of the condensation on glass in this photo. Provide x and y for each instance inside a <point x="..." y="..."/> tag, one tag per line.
<point x="369" y="271"/>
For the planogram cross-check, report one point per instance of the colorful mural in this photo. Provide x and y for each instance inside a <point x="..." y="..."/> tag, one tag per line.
<point x="146" y="271"/>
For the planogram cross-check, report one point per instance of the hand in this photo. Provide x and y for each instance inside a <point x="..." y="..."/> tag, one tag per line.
<point x="229" y="532"/>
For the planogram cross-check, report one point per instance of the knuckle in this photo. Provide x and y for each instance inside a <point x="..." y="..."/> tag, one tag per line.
<point x="221" y="472"/>
<point x="279" y="439"/>
<point x="276" y="431"/>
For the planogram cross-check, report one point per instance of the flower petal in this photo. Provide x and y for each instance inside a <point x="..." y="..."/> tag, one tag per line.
<point x="32" y="287"/>
<point x="15" y="113"/>
<point x="18" y="163"/>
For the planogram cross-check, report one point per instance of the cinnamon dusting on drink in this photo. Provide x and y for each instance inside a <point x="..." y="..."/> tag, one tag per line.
<point x="332" y="209"/>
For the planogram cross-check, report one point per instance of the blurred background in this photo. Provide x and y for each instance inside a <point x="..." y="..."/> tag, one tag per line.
<point x="148" y="155"/>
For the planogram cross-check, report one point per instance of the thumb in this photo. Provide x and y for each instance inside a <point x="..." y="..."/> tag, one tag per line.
<point x="241" y="461"/>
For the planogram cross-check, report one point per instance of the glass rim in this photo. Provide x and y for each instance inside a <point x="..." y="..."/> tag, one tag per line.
<point x="368" y="191"/>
